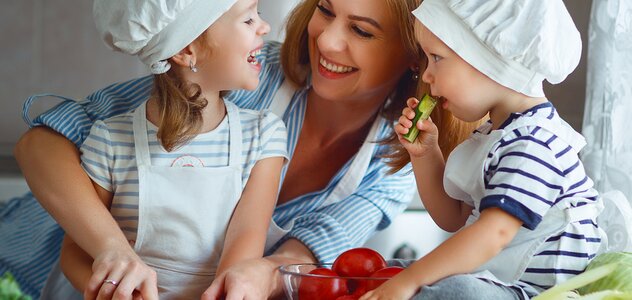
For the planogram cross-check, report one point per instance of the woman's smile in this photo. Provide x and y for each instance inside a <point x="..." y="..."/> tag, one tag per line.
<point x="332" y="70"/>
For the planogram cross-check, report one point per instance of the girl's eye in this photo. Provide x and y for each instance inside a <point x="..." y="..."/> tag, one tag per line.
<point x="361" y="32"/>
<point x="435" y="58"/>
<point x="324" y="10"/>
<point x="250" y="21"/>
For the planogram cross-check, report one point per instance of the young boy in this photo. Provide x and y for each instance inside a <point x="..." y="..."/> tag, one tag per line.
<point x="516" y="190"/>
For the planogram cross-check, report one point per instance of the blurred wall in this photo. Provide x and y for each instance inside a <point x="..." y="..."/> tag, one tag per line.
<point x="52" y="46"/>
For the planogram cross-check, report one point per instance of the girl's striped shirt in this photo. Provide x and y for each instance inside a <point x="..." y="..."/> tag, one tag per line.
<point x="108" y="156"/>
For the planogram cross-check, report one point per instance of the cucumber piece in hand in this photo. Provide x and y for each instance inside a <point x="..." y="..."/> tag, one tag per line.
<point x="422" y="112"/>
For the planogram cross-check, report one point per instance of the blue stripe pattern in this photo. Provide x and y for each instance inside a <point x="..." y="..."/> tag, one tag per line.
<point x="531" y="170"/>
<point x="30" y="242"/>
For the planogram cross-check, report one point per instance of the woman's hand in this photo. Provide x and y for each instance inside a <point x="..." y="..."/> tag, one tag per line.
<point x="249" y="279"/>
<point x="133" y="278"/>
<point x="428" y="138"/>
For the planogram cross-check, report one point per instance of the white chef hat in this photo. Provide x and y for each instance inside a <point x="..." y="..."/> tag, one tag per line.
<point x="155" y="30"/>
<point x="517" y="43"/>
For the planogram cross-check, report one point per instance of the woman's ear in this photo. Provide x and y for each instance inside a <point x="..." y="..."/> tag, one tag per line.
<point x="186" y="57"/>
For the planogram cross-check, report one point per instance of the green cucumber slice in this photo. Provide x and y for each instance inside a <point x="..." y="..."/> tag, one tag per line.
<point x="422" y="112"/>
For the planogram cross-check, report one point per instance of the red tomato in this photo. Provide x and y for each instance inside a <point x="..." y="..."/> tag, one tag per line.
<point x="315" y="288"/>
<point x="357" y="287"/>
<point x="358" y="262"/>
<point x="387" y="272"/>
<point x="360" y="289"/>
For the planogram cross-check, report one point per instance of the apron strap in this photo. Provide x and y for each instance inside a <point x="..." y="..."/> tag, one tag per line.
<point x="141" y="143"/>
<point x="584" y="212"/>
<point x="358" y="168"/>
<point x="283" y="97"/>
<point x="29" y="102"/>
<point x="235" y="134"/>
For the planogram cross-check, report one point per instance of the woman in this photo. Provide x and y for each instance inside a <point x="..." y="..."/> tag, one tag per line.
<point x="329" y="82"/>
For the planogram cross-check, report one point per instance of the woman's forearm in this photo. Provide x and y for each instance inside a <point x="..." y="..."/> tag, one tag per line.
<point x="76" y="264"/>
<point x="51" y="165"/>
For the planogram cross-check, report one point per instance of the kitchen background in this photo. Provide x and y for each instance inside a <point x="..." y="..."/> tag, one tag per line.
<point x="51" y="46"/>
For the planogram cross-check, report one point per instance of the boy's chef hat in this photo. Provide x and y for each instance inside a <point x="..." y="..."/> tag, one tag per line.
<point x="517" y="43"/>
<point x="155" y="30"/>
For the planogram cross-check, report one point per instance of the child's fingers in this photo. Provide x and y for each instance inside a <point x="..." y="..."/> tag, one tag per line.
<point x="428" y="126"/>
<point x="401" y="130"/>
<point x="405" y="122"/>
<point x="412" y="102"/>
<point x="408" y="113"/>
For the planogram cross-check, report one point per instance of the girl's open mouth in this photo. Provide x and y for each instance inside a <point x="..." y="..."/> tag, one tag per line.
<point x="252" y="56"/>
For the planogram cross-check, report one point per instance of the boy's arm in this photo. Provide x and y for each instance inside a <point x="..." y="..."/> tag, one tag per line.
<point x="462" y="253"/>
<point x="429" y="165"/>
<point x="448" y="213"/>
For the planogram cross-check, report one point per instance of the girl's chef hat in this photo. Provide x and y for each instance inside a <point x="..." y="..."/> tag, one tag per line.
<point x="517" y="43"/>
<point x="155" y="30"/>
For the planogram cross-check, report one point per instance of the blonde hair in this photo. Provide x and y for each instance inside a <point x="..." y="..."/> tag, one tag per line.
<point x="295" y="62"/>
<point x="180" y="105"/>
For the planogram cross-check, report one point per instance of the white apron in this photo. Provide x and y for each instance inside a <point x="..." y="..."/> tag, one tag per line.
<point x="463" y="180"/>
<point x="183" y="213"/>
<point x="348" y="183"/>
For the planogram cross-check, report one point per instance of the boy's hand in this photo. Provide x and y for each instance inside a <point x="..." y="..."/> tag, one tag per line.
<point x="428" y="137"/>
<point x="396" y="288"/>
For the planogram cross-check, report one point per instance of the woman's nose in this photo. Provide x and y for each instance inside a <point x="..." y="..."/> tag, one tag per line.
<point x="331" y="39"/>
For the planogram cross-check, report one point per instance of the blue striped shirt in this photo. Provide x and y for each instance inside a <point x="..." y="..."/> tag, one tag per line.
<point x="327" y="230"/>
<point x="108" y="155"/>
<point x="531" y="170"/>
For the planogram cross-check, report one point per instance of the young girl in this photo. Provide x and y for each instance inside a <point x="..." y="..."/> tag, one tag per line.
<point x="191" y="179"/>
<point x="516" y="190"/>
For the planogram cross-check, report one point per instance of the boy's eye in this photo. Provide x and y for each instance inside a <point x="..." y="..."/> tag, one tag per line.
<point x="361" y="32"/>
<point x="324" y="10"/>
<point x="250" y="21"/>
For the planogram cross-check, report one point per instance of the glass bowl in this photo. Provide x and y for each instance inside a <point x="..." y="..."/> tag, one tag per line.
<point x="299" y="285"/>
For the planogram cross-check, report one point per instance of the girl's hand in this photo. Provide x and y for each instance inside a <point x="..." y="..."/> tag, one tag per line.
<point x="250" y="279"/>
<point x="392" y="289"/>
<point x="134" y="279"/>
<point x="428" y="133"/>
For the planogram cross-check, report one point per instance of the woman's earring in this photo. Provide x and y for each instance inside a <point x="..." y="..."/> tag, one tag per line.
<point x="192" y="66"/>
